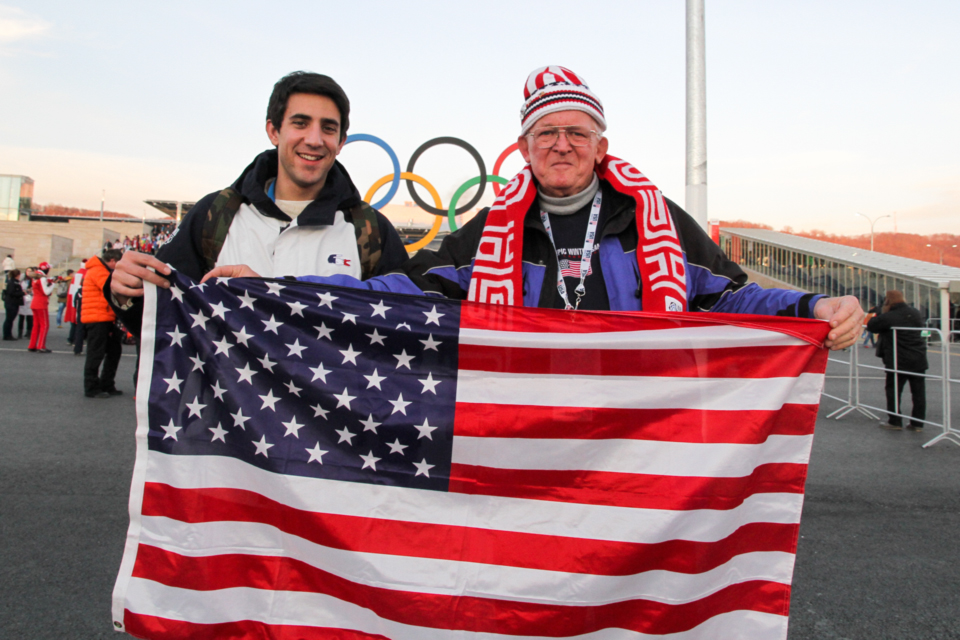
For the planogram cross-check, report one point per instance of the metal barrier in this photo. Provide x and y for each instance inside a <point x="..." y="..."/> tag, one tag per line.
<point x="853" y="401"/>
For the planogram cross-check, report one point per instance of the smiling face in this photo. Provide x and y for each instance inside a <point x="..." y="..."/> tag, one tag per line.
<point x="564" y="170"/>
<point x="308" y="142"/>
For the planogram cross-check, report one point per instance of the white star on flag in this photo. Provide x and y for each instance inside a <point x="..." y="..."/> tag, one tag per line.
<point x="375" y="337"/>
<point x="319" y="373"/>
<point x="199" y="285"/>
<point x="316" y="454"/>
<point x="380" y="309"/>
<point x="430" y="343"/>
<point x="327" y="299"/>
<point x="242" y="336"/>
<point x="369" y="460"/>
<point x="344" y="399"/>
<point x="349" y="317"/>
<point x="176" y="337"/>
<point x="403" y="360"/>
<point x="370" y="424"/>
<point x="176" y="293"/>
<point x="222" y="347"/>
<point x="219" y="310"/>
<point x="293" y="427"/>
<point x="270" y="400"/>
<point x="319" y="412"/>
<point x="197" y="363"/>
<point x="425" y="430"/>
<point x="246" y="300"/>
<point x="171" y="430"/>
<point x="396" y="447"/>
<point x="296" y="308"/>
<point x="262" y="446"/>
<point x="433" y="316"/>
<point x="199" y="320"/>
<point x="267" y="363"/>
<point x="275" y="288"/>
<point x="345" y="436"/>
<point x="239" y="419"/>
<point x="217" y="391"/>
<point x="374" y="380"/>
<point x="323" y="331"/>
<point x="218" y="433"/>
<point x="430" y="384"/>
<point x="173" y="383"/>
<point x="349" y="355"/>
<point x="399" y="405"/>
<point x="272" y="324"/>
<point x="195" y="407"/>
<point x="423" y="468"/>
<point x="293" y="389"/>
<point x="295" y="348"/>
<point x="246" y="374"/>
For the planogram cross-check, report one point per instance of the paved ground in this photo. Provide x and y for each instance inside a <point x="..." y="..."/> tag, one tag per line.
<point x="878" y="556"/>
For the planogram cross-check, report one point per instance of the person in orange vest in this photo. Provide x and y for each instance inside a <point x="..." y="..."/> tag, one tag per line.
<point x="40" y="306"/>
<point x="100" y="327"/>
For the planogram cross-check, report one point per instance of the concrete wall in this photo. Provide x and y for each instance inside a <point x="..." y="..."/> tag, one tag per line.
<point x="35" y="242"/>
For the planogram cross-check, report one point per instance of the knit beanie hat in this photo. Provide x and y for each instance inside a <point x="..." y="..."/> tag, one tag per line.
<point x="555" y="88"/>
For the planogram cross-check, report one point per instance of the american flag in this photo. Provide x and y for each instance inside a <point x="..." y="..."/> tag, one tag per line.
<point x="321" y="462"/>
<point x="570" y="268"/>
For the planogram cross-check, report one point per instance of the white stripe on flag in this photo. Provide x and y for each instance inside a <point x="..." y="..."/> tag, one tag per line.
<point x="453" y="578"/>
<point x="714" y="460"/>
<point x="711" y="337"/>
<point x="598" y="522"/>
<point x="296" y="608"/>
<point x="638" y="392"/>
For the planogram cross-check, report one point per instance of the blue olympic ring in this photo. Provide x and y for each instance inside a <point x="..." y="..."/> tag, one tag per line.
<point x="395" y="184"/>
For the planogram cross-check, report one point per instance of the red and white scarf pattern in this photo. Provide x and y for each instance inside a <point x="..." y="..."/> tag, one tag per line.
<point x="498" y="268"/>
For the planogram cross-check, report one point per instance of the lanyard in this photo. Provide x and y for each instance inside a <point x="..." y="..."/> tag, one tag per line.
<point x="584" y="258"/>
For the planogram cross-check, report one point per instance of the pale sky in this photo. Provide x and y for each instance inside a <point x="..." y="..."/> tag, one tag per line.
<point x="815" y="110"/>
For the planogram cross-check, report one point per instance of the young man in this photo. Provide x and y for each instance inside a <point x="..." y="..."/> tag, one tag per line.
<point x="293" y="211"/>
<point x="103" y="336"/>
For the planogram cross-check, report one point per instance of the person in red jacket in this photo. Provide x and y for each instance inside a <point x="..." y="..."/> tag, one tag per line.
<point x="42" y="288"/>
<point x="100" y="327"/>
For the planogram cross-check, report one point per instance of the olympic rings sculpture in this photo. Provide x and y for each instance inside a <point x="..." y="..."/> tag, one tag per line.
<point x="437" y="209"/>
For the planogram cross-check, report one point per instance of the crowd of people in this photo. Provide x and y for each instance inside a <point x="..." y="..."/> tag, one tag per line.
<point x="145" y="243"/>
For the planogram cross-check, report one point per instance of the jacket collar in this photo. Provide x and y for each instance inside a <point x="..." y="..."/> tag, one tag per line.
<point x="338" y="193"/>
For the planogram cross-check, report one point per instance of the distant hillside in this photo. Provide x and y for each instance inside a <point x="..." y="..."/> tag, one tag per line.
<point x="907" y="245"/>
<point x="60" y="210"/>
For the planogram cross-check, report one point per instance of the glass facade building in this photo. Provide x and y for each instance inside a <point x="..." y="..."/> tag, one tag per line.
<point x="837" y="270"/>
<point x="16" y="197"/>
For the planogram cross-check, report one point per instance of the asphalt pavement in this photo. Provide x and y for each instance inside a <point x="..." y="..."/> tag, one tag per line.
<point x="878" y="556"/>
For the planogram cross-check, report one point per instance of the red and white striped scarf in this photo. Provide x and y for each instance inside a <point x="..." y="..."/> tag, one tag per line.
<point x="497" y="270"/>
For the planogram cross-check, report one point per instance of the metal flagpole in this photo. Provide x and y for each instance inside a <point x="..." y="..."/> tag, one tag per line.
<point x="696" y="193"/>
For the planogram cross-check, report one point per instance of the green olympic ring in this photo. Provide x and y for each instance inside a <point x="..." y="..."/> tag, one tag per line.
<point x="452" y="209"/>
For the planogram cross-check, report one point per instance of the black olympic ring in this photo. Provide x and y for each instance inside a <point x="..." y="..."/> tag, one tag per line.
<point x="463" y="145"/>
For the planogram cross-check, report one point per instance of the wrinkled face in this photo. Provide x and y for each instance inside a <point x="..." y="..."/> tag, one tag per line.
<point x="563" y="169"/>
<point x="308" y="142"/>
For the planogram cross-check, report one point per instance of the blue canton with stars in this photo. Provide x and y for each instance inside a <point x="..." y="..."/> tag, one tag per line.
<point x="306" y="380"/>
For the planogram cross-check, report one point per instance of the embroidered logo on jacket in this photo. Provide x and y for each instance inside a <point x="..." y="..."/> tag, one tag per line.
<point x="336" y="258"/>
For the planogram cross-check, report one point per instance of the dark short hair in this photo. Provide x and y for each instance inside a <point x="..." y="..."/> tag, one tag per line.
<point x="307" y="82"/>
<point x="111" y="254"/>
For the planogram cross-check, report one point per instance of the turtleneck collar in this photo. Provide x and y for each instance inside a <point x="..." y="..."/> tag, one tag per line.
<point x="567" y="205"/>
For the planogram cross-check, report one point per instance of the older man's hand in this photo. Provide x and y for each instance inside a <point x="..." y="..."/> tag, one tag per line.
<point x="132" y="271"/>
<point x="231" y="271"/>
<point x="845" y="316"/>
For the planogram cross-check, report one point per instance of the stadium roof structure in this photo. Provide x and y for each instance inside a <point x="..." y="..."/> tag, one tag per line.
<point x="933" y="274"/>
<point x="169" y="207"/>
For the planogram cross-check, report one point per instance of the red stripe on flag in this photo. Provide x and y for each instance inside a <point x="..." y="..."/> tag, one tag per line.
<point x="467" y="613"/>
<point x="664" y="425"/>
<point x="446" y="542"/>
<point x="157" y="628"/>
<point x="767" y="362"/>
<point x="495" y="317"/>
<point x="628" y="489"/>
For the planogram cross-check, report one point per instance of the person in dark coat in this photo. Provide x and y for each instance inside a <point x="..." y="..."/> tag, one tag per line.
<point x="907" y="354"/>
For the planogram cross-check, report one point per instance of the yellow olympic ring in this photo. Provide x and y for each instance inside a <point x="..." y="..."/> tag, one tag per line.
<point x="425" y="240"/>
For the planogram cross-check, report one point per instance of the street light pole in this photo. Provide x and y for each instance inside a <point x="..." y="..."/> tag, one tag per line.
<point x="953" y="246"/>
<point x="873" y="222"/>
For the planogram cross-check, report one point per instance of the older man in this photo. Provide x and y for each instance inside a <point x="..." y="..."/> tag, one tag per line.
<point x="579" y="229"/>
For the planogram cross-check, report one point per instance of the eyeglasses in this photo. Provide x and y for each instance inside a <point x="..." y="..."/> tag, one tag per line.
<point x="548" y="136"/>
